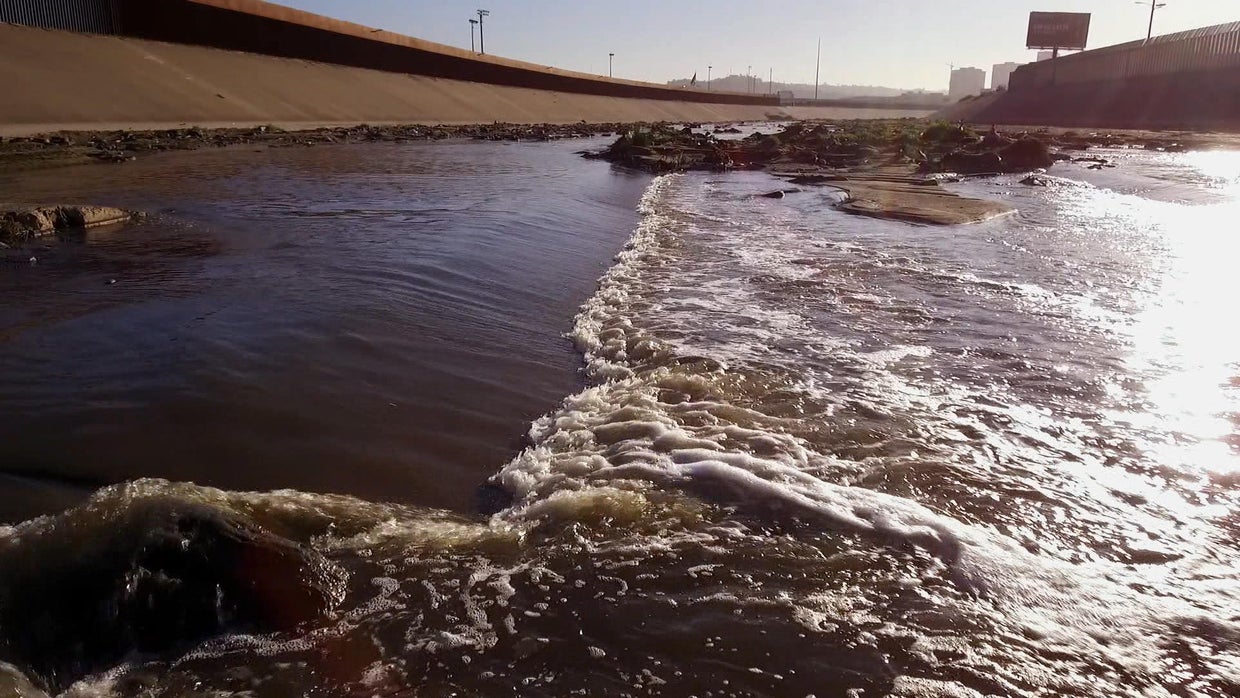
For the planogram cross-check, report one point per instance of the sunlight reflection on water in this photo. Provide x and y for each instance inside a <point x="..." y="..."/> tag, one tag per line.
<point x="1186" y="337"/>
<point x="1222" y="166"/>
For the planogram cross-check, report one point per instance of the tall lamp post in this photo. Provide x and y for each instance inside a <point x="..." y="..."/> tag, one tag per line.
<point x="708" y="77"/>
<point x="1154" y="5"/>
<point x="610" y="56"/>
<point x="482" y="39"/>
<point x="472" y="23"/>
<point x="817" y="66"/>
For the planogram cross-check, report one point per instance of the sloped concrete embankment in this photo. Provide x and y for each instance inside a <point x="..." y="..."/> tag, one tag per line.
<point x="55" y="80"/>
<point x="269" y="29"/>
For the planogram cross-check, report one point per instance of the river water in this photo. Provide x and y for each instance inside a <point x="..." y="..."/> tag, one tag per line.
<point x="767" y="449"/>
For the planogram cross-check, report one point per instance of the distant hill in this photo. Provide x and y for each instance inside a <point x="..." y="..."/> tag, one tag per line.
<point x="741" y="83"/>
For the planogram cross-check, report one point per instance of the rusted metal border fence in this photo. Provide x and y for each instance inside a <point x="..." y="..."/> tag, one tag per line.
<point x="93" y="16"/>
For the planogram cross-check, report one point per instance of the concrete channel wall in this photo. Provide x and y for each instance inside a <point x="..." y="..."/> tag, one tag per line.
<point x="273" y="30"/>
<point x="69" y="81"/>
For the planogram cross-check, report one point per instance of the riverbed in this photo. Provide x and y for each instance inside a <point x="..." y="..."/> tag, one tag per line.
<point x="565" y="429"/>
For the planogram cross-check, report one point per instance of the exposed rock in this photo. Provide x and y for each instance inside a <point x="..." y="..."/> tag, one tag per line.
<point x="1026" y="154"/>
<point x="852" y="154"/>
<point x="837" y="145"/>
<point x="994" y="140"/>
<point x="816" y="178"/>
<point x="777" y="194"/>
<point x="967" y="163"/>
<point x="1020" y="155"/>
<point x="34" y="221"/>
<point x="913" y="201"/>
<point x="947" y="133"/>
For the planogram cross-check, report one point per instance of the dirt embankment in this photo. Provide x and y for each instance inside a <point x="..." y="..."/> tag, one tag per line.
<point x="82" y="147"/>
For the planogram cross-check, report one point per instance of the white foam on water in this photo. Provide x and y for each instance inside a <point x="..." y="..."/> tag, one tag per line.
<point x="618" y="448"/>
<point x="883" y="357"/>
<point x="594" y="335"/>
<point x="14" y="684"/>
<point x="618" y="435"/>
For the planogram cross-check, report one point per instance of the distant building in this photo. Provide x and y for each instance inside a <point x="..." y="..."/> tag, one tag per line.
<point x="1001" y="73"/>
<point x="966" y="82"/>
<point x="1045" y="55"/>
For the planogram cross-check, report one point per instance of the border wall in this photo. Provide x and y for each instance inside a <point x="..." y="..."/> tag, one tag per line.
<point x="264" y="28"/>
<point x="1188" y="80"/>
<point x="1208" y="49"/>
<point x="94" y="16"/>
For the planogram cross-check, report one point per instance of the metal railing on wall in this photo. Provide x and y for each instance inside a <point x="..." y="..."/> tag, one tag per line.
<point x="1208" y="48"/>
<point x="94" y="16"/>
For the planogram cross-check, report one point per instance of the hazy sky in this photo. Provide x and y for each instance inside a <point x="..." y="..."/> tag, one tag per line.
<point x="895" y="43"/>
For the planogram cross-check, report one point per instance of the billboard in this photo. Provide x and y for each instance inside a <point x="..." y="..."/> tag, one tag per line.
<point x="1063" y="30"/>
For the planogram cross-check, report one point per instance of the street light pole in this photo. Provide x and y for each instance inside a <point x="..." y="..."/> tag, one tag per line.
<point x="482" y="39"/>
<point x="610" y="56"/>
<point x="1154" y="5"/>
<point x="472" y="24"/>
<point x="817" y="66"/>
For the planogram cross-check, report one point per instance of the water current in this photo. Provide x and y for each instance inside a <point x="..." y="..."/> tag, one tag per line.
<point x="801" y="453"/>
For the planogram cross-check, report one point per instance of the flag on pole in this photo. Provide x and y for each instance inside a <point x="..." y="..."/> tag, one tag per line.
<point x="693" y="81"/>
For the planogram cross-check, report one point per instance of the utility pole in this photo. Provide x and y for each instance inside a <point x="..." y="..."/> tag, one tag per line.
<point x="770" y="75"/>
<point x="817" y="65"/>
<point x="472" y="24"/>
<point x="708" y="77"/>
<point x="610" y="56"/>
<point x="1154" y="5"/>
<point x="482" y="39"/>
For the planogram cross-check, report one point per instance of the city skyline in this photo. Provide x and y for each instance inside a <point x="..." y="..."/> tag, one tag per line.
<point x="890" y="43"/>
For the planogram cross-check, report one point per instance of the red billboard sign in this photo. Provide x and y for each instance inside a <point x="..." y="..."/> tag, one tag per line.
<point x="1064" y="30"/>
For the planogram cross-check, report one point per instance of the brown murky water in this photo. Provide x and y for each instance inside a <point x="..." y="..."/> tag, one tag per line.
<point x="373" y="321"/>
<point x="810" y="454"/>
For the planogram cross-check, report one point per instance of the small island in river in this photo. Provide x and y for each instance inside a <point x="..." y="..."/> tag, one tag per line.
<point x="886" y="168"/>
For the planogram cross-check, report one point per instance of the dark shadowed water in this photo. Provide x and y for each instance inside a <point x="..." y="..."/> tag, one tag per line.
<point x="809" y="454"/>
<point x="379" y="321"/>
